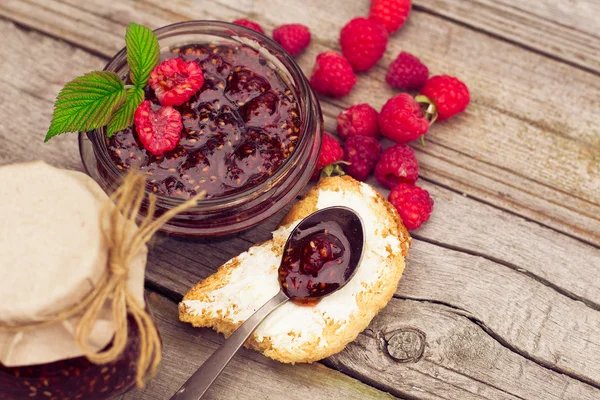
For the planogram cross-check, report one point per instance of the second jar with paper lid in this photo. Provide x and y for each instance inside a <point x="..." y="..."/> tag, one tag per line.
<point x="63" y="260"/>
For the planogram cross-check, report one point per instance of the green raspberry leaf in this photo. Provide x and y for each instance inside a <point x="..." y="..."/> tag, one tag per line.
<point x="86" y="103"/>
<point x="143" y="53"/>
<point x="123" y="116"/>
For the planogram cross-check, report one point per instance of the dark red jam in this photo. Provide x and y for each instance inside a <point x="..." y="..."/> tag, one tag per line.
<point x="75" y="378"/>
<point x="239" y="128"/>
<point x="316" y="262"/>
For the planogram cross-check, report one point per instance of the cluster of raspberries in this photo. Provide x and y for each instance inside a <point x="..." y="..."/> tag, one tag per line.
<point x="403" y="118"/>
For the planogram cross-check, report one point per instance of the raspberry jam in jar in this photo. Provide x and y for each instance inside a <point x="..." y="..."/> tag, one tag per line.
<point x="239" y="127"/>
<point x="250" y="140"/>
<point x="75" y="378"/>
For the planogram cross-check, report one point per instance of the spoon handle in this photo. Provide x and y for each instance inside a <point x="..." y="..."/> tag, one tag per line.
<point x="198" y="384"/>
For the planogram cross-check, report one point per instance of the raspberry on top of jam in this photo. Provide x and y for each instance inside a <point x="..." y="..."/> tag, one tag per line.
<point x="316" y="262"/>
<point x="238" y="129"/>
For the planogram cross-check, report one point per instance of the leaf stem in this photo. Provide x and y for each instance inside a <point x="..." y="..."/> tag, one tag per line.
<point x="127" y="87"/>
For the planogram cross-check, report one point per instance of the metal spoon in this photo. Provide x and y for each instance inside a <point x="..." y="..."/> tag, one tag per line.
<point x="350" y="225"/>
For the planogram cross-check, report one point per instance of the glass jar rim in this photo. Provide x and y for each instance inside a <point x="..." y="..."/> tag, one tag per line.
<point x="302" y="88"/>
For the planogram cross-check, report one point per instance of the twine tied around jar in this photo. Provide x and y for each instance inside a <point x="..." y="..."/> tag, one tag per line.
<point x="124" y="243"/>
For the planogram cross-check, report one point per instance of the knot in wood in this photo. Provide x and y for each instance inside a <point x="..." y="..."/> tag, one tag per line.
<point x="406" y="345"/>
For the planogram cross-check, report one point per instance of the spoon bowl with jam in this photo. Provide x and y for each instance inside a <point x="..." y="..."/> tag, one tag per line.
<point x="321" y="256"/>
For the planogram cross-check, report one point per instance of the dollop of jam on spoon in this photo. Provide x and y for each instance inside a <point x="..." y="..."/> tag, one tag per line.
<point x="321" y="255"/>
<point x="316" y="262"/>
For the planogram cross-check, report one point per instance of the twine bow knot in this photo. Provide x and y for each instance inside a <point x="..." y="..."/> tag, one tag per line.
<point x="118" y="270"/>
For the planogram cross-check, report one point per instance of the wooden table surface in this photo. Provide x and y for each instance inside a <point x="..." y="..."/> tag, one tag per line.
<point x="501" y="295"/>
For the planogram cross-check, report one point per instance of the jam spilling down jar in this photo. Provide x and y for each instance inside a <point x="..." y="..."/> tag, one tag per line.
<point x="75" y="378"/>
<point x="251" y="134"/>
<point x="239" y="127"/>
<point x="316" y="262"/>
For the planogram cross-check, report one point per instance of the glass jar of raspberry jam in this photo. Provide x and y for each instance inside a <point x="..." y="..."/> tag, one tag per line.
<point x="251" y="135"/>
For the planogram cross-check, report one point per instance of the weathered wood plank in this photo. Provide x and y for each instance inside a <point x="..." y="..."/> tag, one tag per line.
<point x="568" y="31"/>
<point x="520" y="146"/>
<point x="29" y="90"/>
<point x="249" y="376"/>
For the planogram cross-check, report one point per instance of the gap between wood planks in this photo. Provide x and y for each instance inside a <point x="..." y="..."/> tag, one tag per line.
<point x="374" y="383"/>
<point x="506" y="210"/>
<point x="466" y="314"/>
<point x="593" y="305"/>
<point x="543" y="18"/>
<point x="505" y="38"/>
<point x="29" y="28"/>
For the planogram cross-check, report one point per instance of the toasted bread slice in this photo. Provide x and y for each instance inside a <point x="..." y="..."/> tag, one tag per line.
<point x="295" y="333"/>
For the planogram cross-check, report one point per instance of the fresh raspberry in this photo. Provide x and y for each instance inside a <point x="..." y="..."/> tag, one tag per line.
<point x="331" y="152"/>
<point x="174" y="81"/>
<point x="292" y="37"/>
<point x="362" y="153"/>
<point x="402" y="120"/>
<point x="397" y="165"/>
<point x="358" y="120"/>
<point x="249" y="24"/>
<point x="159" y="131"/>
<point x="449" y="95"/>
<point x="413" y="204"/>
<point x="391" y="13"/>
<point x="407" y="72"/>
<point x="332" y="75"/>
<point x="363" y="42"/>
